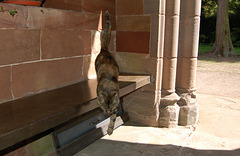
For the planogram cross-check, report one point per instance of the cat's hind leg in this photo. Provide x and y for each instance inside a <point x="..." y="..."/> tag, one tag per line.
<point x="111" y="124"/>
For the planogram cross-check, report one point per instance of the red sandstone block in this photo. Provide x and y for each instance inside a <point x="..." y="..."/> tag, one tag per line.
<point x="64" y="4"/>
<point x="19" y="45"/>
<point x="109" y="5"/>
<point x="133" y="23"/>
<point x="5" y="91"/>
<point x="90" y="6"/>
<point x="32" y="78"/>
<point x="152" y="7"/>
<point x="54" y="18"/>
<point x="94" y="6"/>
<point x="65" y="43"/>
<point x="135" y="42"/>
<point x="89" y="67"/>
<point x="18" y="21"/>
<point x="129" y="7"/>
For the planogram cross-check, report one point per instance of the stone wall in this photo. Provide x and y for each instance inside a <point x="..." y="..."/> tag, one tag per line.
<point x="45" y="48"/>
<point x="174" y="31"/>
<point x="132" y="35"/>
<point x="50" y="47"/>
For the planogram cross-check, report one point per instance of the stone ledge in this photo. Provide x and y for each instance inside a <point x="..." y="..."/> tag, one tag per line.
<point x="27" y="117"/>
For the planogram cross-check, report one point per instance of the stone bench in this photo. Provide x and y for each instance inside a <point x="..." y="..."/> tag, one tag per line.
<point x="30" y="118"/>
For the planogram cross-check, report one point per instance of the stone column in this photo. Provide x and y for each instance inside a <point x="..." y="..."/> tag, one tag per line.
<point x="169" y="110"/>
<point x="187" y="61"/>
<point x="154" y="63"/>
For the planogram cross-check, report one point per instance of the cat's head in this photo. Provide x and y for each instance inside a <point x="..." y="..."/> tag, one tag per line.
<point x="108" y="96"/>
<point x="109" y="102"/>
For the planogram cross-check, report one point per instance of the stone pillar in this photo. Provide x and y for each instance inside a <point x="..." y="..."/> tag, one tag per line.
<point x="187" y="61"/>
<point x="154" y="63"/>
<point x="169" y="110"/>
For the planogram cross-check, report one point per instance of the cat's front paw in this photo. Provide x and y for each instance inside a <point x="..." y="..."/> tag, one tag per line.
<point x="110" y="131"/>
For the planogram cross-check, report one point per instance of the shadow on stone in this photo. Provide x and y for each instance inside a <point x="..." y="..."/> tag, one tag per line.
<point x="119" y="148"/>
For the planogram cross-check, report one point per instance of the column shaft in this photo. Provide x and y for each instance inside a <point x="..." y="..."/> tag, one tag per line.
<point x="187" y="61"/>
<point x="169" y="110"/>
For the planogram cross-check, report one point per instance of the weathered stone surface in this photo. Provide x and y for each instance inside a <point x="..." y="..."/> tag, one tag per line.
<point x="169" y="116"/>
<point x="186" y="73"/>
<point x="5" y="91"/>
<point x="19" y="20"/>
<point x="188" y="33"/>
<point x="130" y="62"/>
<point x="189" y="114"/>
<point x="126" y="7"/>
<point x="171" y="36"/>
<point x="137" y="42"/>
<point x="152" y="7"/>
<point x="140" y="107"/>
<point x="64" y="4"/>
<point x="95" y="42"/>
<point x="190" y="8"/>
<point x="89" y="66"/>
<point x="187" y="98"/>
<point x="169" y="99"/>
<point x="45" y="75"/>
<point x="169" y="74"/>
<point x="109" y="5"/>
<point x="56" y="19"/>
<point x="133" y="23"/>
<point x="86" y="7"/>
<point x="150" y="65"/>
<point x="172" y="7"/>
<point x="65" y="43"/>
<point x="157" y="36"/>
<point x="134" y="139"/>
<point x="19" y="45"/>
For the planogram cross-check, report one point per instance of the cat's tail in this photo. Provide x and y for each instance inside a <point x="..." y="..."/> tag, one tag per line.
<point x="106" y="36"/>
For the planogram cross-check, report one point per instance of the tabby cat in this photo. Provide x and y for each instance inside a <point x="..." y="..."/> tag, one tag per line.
<point x="107" y="76"/>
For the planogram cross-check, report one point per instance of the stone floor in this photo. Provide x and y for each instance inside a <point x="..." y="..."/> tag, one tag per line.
<point x="217" y="134"/>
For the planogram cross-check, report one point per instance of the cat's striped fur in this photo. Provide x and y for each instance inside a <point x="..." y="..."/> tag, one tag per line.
<point x="107" y="76"/>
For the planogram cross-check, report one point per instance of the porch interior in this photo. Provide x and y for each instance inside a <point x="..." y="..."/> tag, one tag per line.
<point x="47" y="48"/>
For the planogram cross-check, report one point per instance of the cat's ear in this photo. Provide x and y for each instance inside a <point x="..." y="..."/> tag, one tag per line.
<point x="115" y="98"/>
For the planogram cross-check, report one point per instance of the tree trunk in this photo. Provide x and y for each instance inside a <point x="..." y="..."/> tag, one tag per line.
<point x="223" y="42"/>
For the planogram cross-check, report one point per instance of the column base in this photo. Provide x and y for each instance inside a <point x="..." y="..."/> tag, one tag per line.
<point x="169" y="110"/>
<point x="189" y="108"/>
<point x="169" y="116"/>
<point x="189" y="114"/>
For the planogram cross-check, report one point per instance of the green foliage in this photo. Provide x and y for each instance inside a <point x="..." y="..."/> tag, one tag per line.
<point x="237" y="49"/>
<point x="235" y="33"/>
<point x="11" y="12"/>
<point x="209" y="17"/>
<point x="209" y="8"/>
<point x="233" y="6"/>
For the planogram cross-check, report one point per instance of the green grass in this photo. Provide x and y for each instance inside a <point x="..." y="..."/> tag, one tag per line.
<point x="204" y="48"/>
<point x="207" y="47"/>
<point x="237" y="49"/>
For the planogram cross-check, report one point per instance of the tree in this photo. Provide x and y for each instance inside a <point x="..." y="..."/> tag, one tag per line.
<point x="223" y="44"/>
